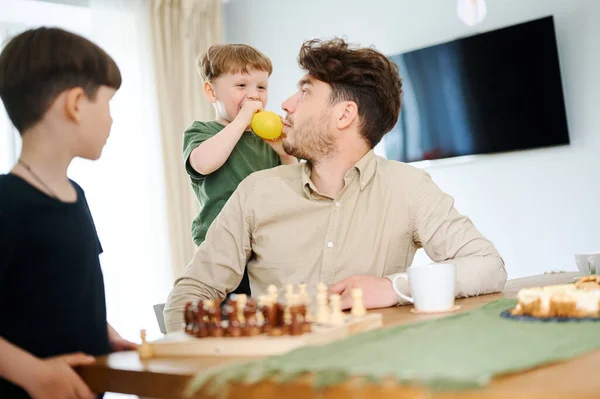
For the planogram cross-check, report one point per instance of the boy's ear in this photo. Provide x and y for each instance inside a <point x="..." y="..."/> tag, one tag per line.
<point x="209" y="92"/>
<point x="73" y="103"/>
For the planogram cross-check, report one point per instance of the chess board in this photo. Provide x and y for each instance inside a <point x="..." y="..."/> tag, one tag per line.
<point x="266" y="327"/>
<point x="183" y="344"/>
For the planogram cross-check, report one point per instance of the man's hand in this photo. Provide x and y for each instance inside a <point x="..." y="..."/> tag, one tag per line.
<point x="377" y="291"/>
<point x="277" y="145"/>
<point x="55" y="378"/>
<point x="117" y="343"/>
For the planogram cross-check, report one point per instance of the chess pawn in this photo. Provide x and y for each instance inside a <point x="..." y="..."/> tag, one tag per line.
<point x="289" y="293"/>
<point x="305" y="323"/>
<point x="322" y="310"/>
<point x="215" y="328"/>
<point x="188" y="316"/>
<point x="295" y="326"/>
<point x="200" y="327"/>
<point x="251" y="328"/>
<point x="273" y="294"/>
<point x="358" y="306"/>
<point x="260" y="318"/>
<point x="322" y="288"/>
<point x="305" y="300"/>
<point x="267" y="321"/>
<point x="337" y="317"/>
<point x="242" y="299"/>
<point x="233" y="329"/>
<point x="144" y="350"/>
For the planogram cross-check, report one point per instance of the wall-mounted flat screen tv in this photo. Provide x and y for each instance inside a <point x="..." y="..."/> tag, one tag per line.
<point x="493" y="92"/>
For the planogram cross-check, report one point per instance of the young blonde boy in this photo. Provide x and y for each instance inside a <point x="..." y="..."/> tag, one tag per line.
<point x="221" y="153"/>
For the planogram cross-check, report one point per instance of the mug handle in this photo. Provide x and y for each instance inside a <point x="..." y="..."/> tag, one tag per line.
<point x="401" y="295"/>
<point x="592" y="266"/>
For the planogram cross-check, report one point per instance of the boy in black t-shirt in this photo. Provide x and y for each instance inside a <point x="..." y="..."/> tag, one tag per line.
<point x="56" y="87"/>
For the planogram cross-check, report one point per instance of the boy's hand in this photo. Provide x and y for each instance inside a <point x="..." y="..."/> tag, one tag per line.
<point x="249" y="108"/>
<point x="55" y="378"/>
<point x="117" y="343"/>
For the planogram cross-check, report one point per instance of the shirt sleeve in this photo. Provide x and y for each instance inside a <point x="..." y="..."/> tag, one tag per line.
<point x="219" y="262"/>
<point x="446" y="235"/>
<point x="192" y="138"/>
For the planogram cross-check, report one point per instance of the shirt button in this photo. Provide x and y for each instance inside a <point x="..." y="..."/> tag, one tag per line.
<point x="330" y="244"/>
<point x="338" y="204"/>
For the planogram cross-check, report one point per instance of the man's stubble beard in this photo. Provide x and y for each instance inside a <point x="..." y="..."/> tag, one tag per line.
<point x="313" y="142"/>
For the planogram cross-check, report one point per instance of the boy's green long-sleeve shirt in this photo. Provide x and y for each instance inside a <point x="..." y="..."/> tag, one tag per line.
<point x="249" y="155"/>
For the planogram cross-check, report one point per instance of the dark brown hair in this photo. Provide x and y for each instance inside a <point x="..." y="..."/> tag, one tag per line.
<point x="362" y="75"/>
<point x="39" y="64"/>
<point x="220" y="59"/>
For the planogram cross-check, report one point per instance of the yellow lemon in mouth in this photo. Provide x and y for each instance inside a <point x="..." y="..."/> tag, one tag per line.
<point x="267" y="125"/>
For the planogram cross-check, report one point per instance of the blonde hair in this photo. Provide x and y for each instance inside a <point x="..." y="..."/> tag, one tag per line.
<point x="220" y="59"/>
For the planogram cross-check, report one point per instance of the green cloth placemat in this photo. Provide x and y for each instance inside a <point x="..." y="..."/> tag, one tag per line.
<point x="457" y="352"/>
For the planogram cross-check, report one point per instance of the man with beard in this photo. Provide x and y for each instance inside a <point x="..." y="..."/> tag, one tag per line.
<point x="345" y="217"/>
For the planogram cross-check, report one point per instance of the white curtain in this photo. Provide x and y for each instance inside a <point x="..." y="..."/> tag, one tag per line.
<point x="125" y="188"/>
<point x="181" y="30"/>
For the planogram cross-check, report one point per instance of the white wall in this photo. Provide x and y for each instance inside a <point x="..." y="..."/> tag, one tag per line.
<point x="539" y="207"/>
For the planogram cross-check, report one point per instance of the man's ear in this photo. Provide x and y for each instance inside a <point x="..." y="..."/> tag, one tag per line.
<point x="209" y="92"/>
<point x="73" y="100"/>
<point x="348" y="113"/>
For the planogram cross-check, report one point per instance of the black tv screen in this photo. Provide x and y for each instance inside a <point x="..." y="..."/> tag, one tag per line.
<point x="493" y="92"/>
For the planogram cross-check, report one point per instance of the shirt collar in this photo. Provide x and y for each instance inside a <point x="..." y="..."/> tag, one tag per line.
<point x="364" y="169"/>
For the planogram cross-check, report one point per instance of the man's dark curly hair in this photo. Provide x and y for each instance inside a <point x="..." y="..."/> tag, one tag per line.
<point x="362" y="75"/>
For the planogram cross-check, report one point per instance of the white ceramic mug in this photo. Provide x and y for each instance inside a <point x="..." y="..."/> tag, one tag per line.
<point x="588" y="263"/>
<point x="433" y="287"/>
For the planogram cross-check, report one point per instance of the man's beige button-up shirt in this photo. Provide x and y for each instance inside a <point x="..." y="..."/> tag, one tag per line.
<point x="286" y="232"/>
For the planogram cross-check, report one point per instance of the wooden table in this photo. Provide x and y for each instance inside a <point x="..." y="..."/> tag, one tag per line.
<point x="167" y="377"/>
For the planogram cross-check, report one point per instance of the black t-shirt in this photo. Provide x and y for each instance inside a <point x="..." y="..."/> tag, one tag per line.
<point x="51" y="285"/>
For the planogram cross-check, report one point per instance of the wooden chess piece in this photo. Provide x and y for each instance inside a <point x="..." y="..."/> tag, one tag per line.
<point x="267" y="321"/>
<point x="295" y="323"/>
<point x="233" y="329"/>
<point x="144" y="350"/>
<point x="200" y="327"/>
<point x="305" y="324"/>
<point x="337" y="317"/>
<point x="322" y="288"/>
<point x="251" y="328"/>
<point x="273" y="294"/>
<point x="305" y="300"/>
<point x="289" y="293"/>
<point x="215" y="320"/>
<point x="260" y="318"/>
<point x="358" y="306"/>
<point x="322" y="309"/>
<point x="242" y="299"/>
<point x="275" y="319"/>
<point x="188" y="316"/>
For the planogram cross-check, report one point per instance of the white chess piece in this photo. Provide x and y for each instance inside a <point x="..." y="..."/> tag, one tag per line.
<point x="144" y="350"/>
<point x="322" y="287"/>
<point x="289" y="294"/>
<point x="337" y="317"/>
<point x="322" y="309"/>
<point x="242" y="299"/>
<point x="260" y="318"/>
<point x="273" y="294"/>
<point x="358" y="306"/>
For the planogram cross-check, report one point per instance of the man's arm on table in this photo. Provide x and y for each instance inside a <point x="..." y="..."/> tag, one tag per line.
<point x="218" y="264"/>
<point x="446" y="235"/>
